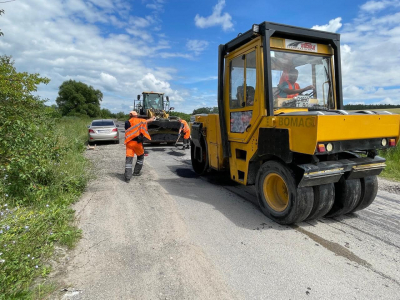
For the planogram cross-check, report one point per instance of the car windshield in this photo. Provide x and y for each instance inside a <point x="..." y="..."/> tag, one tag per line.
<point x="301" y="80"/>
<point x="102" y="123"/>
<point x="154" y="101"/>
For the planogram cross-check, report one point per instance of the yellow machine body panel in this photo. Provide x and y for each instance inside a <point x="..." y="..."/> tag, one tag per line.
<point x="353" y="127"/>
<point x="306" y="131"/>
<point x="212" y="133"/>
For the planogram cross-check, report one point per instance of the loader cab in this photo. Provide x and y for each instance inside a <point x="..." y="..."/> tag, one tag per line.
<point x="153" y="100"/>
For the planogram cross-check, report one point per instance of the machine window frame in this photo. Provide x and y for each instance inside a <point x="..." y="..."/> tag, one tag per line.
<point x="245" y="103"/>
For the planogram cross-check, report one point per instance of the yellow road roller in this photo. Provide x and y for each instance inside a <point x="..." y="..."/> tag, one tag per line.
<point x="281" y="126"/>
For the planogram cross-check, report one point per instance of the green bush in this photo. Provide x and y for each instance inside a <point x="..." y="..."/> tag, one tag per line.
<point x="42" y="171"/>
<point x="181" y="115"/>
<point x="392" y="170"/>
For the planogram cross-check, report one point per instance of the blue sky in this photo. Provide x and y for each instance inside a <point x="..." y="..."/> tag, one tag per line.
<point x="124" y="47"/>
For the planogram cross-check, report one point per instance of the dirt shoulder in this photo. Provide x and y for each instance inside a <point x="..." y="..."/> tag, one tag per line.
<point x="135" y="244"/>
<point x="389" y="185"/>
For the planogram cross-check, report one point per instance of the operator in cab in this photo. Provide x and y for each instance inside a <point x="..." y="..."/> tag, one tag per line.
<point x="135" y="130"/>
<point x="290" y="88"/>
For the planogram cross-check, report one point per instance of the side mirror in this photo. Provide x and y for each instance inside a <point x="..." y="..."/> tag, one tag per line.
<point x="167" y="99"/>
<point x="138" y="97"/>
<point x="171" y="108"/>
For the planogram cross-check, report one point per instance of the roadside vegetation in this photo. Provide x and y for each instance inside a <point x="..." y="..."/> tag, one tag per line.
<point x="392" y="170"/>
<point x="181" y="115"/>
<point x="42" y="171"/>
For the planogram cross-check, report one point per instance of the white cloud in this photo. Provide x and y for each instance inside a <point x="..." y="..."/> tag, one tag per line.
<point x="369" y="54"/>
<point x="197" y="46"/>
<point x="216" y="18"/>
<point x="177" y="54"/>
<point x="109" y="81"/>
<point x="156" y="5"/>
<point x="150" y="83"/>
<point x="333" y="25"/>
<point x="60" y="40"/>
<point x="375" y="6"/>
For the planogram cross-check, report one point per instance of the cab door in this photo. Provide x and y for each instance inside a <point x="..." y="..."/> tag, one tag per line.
<point x="242" y="100"/>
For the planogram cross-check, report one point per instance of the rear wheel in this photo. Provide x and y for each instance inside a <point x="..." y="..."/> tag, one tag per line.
<point x="369" y="189"/>
<point x="347" y="196"/>
<point x="324" y="197"/>
<point x="199" y="157"/>
<point x="278" y="195"/>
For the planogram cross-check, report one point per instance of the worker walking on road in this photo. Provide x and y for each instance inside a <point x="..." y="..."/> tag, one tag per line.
<point x="135" y="130"/>
<point x="185" y="129"/>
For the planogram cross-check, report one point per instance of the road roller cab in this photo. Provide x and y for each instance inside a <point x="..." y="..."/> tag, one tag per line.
<point x="281" y="126"/>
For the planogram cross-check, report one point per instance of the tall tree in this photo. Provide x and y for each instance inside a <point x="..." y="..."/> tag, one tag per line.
<point x="77" y="98"/>
<point x="1" y="12"/>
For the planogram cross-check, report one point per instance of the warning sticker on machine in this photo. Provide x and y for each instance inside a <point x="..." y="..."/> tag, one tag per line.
<point x="303" y="46"/>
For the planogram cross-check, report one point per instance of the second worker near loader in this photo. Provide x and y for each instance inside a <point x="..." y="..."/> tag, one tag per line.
<point x="185" y="131"/>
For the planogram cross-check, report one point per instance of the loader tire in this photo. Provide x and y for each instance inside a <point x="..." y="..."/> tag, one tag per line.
<point x="278" y="195"/>
<point x="347" y="196"/>
<point x="200" y="167"/>
<point x="369" y="189"/>
<point x="324" y="197"/>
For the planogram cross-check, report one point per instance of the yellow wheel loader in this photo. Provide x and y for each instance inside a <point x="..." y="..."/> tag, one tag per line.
<point x="165" y="128"/>
<point x="281" y="126"/>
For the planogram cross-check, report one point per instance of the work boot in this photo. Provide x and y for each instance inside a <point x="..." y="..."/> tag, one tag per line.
<point x="185" y="144"/>
<point x="138" y="165"/>
<point x="128" y="168"/>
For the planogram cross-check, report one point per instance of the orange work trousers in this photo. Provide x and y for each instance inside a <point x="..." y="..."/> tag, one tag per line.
<point x="133" y="147"/>
<point x="186" y="134"/>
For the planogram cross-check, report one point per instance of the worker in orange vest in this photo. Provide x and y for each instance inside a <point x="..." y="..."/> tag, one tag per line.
<point x="135" y="131"/>
<point x="185" y="129"/>
<point x="289" y="88"/>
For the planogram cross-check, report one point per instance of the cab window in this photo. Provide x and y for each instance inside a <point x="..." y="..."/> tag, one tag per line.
<point x="242" y="80"/>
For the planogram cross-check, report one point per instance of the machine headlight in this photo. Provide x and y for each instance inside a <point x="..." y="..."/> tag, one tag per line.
<point x="384" y="142"/>
<point x="329" y="147"/>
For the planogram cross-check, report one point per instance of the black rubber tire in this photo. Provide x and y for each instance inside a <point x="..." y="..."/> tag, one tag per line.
<point x="300" y="199"/>
<point x="116" y="142"/>
<point x="369" y="189"/>
<point x="324" y="197"/>
<point x="347" y="196"/>
<point x="200" y="168"/>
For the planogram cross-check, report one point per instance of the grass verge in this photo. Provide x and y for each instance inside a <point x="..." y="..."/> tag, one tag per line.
<point x="392" y="170"/>
<point x="29" y="230"/>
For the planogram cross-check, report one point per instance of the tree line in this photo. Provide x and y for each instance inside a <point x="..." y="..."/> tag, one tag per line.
<point x="78" y="99"/>
<point x="369" y="106"/>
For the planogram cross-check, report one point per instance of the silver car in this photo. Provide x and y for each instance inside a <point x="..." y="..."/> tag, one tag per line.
<point x="103" y="130"/>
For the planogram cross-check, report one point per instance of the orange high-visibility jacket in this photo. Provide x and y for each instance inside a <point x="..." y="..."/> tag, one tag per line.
<point x="296" y="87"/>
<point x="186" y="127"/>
<point x="138" y="126"/>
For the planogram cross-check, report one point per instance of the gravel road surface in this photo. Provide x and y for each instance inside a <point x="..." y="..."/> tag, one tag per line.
<point x="170" y="234"/>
